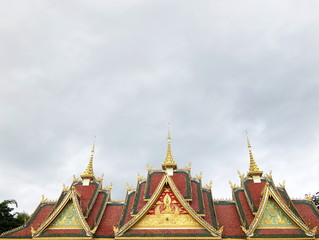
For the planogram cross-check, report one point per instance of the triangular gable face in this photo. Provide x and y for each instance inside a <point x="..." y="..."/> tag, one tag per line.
<point x="67" y="215"/>
<point x="274" y="217"/>
<point x="68" y="218"/>
<point x="167" y="212"/>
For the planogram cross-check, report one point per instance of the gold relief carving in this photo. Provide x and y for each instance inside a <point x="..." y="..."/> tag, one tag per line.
<point x="167" y="212"/>
<point x="273" y="216"/>
<point x="68" y="218"/>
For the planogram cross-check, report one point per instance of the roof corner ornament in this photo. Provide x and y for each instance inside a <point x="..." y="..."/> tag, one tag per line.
<point x="232" y="185"/>
<point x="209" y="185"/>
<point x="65" y="188"/>
<point x="32" y="230"/>
<point x="129" y="187"/>
<point x="220" y="230"/>
<point x="88" y="174"/>
<point x="140" y="177"/>
<point x="308" y="197"/>
<point x="100" y="179"/>
<point x="199" y="176"/>
<point x="241" y="175"/>
<point x="43" y="200"/>
<point x="169" y="164"/>
<point x="109" y="188"/>
<point x="189" y="166"/>
<point x="314" y="230"/>
<point x="115" y="229"/>
<point x="283" y="184"/>
<point x="244" y="229"/>
<point x="254" y="171"/>
<point x="269" y="175"/>
<point x="149" y="167"/>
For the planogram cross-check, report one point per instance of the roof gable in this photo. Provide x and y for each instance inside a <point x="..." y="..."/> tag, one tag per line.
<point x="273" y="213"/>
<point x="66" y="216"/>
<point x="168" y="205"/>
<point x="167" y="212"/>
<point x="273" y="216"/>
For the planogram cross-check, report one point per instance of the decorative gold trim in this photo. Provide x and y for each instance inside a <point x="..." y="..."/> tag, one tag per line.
<point x="157" y="192"/>
<point x="199" y="176"/>
<point x="233" y="186"/>
<point x="129" y="187"/>
<point x="70" y="196"/>
<point x="188" y="167"/>
<point x="270" y="192"/>
<point x="108" y="188"/>
<point x="241" y="175"/>
<point x="283" y="184"/>
<point x="169" y="238"/>
<point x="209" y="185"/>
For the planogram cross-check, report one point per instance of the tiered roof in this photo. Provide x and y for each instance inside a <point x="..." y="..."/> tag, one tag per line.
<point x="172" y="204"/>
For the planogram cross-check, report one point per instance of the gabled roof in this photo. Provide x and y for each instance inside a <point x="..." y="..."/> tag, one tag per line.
<point x="88" y="195"/>
<point x="39" y="215"/>
<point x="270" y="193"/>
<point x="167" y="180"/>
<point x="181" y="179"/>
<point x="72" y="197"/>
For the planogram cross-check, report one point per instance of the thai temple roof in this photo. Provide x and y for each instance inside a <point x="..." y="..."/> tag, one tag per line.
<point x="170" y="203"/>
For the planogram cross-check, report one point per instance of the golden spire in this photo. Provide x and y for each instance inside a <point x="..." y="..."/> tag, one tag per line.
<point x="253" y="168"/>
<point x="169" y="160"/>
<point x="88" y="173"/>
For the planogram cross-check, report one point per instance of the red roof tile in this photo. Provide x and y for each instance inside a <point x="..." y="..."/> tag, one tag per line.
<point x="99" y="204"/>
<point x="308" y="212"/>
<point x="110" y="218"/>
<point x="39" y="215"/>
<point x="228" y="217"/>
<point x="245" y="207"/>
<point x="87" y="195"/>
<point x="254" y="191"/>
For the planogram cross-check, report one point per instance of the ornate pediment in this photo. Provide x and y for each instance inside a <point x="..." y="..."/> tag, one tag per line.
<point x="167" y="212"/>
<point x="68" y="218"/>
<point x="274" y="217"/>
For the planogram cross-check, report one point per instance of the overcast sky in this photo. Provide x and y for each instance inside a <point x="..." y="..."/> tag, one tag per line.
<point x="121" y="70"/>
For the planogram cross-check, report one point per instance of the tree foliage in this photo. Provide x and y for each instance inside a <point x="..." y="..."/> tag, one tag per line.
<point x="315" y="199"/>
<point x="9" y="220"/>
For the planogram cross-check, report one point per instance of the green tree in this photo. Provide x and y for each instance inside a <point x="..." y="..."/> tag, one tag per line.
<point x="9" y="220"/>
<point x="315" y="199"/>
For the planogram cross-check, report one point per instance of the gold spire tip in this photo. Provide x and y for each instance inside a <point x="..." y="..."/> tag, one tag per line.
<point x="253" y="168"/>
<point x="169" y="160"/>
<point x="88" y="173"/>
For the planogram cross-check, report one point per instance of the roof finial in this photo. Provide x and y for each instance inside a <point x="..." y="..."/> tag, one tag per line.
<point x="169" y="160"/>
<point x="88" y="173"/>
<point x="253" y="168"/>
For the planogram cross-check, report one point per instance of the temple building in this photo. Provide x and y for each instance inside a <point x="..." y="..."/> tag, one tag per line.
<point x="170" y="203"/>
